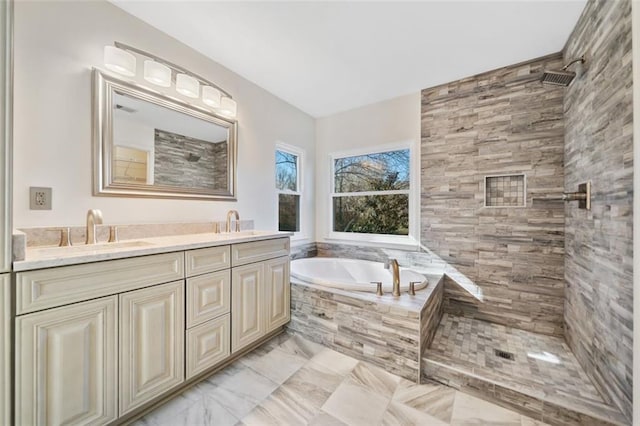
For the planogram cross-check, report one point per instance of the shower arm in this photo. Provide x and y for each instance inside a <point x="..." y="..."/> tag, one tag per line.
<point x="580" y="59"/>
<point x="583" y="196"/>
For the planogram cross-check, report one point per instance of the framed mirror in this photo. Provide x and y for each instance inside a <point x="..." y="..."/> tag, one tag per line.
<point x="150" y="145"/>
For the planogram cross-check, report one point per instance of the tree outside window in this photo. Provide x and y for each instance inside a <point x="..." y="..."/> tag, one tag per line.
<point x="288" y="188"/>
<point x="371" y="193"/>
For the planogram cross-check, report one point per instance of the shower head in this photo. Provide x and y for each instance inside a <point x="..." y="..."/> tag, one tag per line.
<point x="560" y="77"/>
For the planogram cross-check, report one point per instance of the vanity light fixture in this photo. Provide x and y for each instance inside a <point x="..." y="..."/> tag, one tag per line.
<point x="228" y="107"/>
<point x="120" y="61"/>
<point x="187" y="85"/>
<point x="156" y="73"/>
<point x="121" y="58"/>
<point x="211" y="96"/>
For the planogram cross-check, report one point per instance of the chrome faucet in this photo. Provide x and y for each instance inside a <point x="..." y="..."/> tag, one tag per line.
<point x="395" y="268"/>
<point x="231" y="213"/>
<point x="94" y="217"/>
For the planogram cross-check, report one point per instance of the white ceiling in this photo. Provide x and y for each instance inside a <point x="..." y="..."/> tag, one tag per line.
<point x="327" y="57"/>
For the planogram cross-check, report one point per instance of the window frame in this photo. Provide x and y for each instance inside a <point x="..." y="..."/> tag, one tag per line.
<point x="298" y="152"/>
<point x="410" y="240"/>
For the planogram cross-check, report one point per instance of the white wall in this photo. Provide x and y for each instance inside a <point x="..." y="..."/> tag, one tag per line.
<point x="384" y="123"/>
<point x="56" y="45"/>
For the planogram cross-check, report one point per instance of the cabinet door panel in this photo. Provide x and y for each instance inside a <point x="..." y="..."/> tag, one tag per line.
<point x="151" y="343"/>
<point x="208" y="344"/>
<point x="208" y="296"/>
<point x="247" y="322"/>
<point x="277" y="293"/>
<point x="66" y="364"/>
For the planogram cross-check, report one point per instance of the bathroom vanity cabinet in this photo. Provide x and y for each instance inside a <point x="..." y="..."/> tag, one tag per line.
<point x="98" y="341"/>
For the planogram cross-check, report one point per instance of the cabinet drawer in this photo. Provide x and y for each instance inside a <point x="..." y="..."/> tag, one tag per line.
<point x="208" y="344"/>
<point x="208" y="296"/>
<point x="256" y="251"/>
<point x="206" y="260"/>
<point x="48" y="288"/>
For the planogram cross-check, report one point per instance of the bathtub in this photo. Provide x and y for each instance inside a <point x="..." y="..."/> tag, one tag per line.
<point x="351" y="274"/>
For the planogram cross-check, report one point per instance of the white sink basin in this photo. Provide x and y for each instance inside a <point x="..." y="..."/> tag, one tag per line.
<point x="87" y="249"/>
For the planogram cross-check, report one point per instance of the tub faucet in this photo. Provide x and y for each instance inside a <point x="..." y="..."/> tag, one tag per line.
<point x="94" y="217"/>
<point x="395" y="268"/>
<point x="231" y="213"/>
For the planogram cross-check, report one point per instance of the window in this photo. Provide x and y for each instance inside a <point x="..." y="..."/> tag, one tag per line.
<point x="288" y="187"/>
<point x="371" y="193"/>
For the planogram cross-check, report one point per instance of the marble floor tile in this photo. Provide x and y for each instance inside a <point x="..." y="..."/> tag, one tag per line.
<point x="375" y="379"/>
<point x="317" y="376"/>
<point x="324" y="419"/>
<point x="276" y="365"/>
<point x="301" y="347"/>
<point x="327" y="389"/>
<point x="435" y="400"/>
<point x="401" y="415"/>
<point x="527" y="421"/>
<point x="469" y="410"/>
<point x="335" y="361"/>
<point x="242" y="392"/>
<point x="355" y="405"/>
<point x="207" y="412"/>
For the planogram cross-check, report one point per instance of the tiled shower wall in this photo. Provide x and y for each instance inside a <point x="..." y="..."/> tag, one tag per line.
<point x="503" y="122"/>
<point x="599" y="147"/>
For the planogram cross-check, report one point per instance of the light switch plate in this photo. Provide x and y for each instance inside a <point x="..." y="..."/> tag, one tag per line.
<point x="39" y="198"/>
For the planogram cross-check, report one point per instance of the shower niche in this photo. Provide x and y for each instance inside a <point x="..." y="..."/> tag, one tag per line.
<point x="505" y="190"/>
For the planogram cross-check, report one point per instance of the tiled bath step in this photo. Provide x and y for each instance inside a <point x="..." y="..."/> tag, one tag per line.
<point x="534" y="374"/>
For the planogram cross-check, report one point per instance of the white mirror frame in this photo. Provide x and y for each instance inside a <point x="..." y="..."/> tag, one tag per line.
<point x="104" y="86"/>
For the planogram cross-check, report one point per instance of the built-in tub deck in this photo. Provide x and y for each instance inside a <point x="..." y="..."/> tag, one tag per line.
<point x="391" y="332"/>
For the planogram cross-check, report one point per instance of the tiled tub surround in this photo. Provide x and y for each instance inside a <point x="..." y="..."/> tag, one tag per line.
<point x="501" y="122"/>
<point x="385" y="330"/>
<point x="544" y="380"/>
<point x="598" y="310"/>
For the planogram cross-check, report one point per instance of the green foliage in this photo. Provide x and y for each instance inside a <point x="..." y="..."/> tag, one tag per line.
<point x="372" y="214"/>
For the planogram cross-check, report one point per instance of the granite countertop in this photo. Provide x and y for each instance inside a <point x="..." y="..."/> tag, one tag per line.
<point x="51" y="256"/>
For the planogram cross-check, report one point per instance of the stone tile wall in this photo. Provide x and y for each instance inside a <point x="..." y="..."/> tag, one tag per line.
<point x="187" y="162"/>
<point x="500" y="122"/>
<point x="599" y="147"/>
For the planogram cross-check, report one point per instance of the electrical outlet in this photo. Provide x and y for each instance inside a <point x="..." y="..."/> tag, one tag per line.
<point x="39" y="198"/>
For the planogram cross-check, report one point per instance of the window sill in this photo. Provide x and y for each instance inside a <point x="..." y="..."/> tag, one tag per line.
<point x="382" y="241"/>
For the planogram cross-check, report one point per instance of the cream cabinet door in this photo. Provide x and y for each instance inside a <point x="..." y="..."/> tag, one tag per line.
<point x="151" y="343"/>
<point x="66" y="365"/>
<point x="208" y="297"/>
<point x="277" y="293"/>
<point x="208" y="344"/>
<point x="247" y="317"/>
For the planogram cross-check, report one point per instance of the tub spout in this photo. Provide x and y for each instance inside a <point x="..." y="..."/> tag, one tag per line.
<point x="395" y="268"/>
